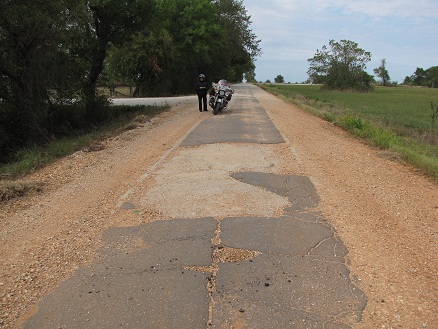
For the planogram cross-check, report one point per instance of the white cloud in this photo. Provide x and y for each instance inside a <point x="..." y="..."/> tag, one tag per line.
<point x="292" y="30"/>
<point x="398" y="8"/>
<point x="373" y="8"/>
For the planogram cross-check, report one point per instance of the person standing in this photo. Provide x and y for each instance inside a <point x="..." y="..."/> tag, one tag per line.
<point x="201" y="87"/>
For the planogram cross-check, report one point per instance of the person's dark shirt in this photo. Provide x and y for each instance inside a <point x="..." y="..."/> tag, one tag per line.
<point x="201" y="87"/>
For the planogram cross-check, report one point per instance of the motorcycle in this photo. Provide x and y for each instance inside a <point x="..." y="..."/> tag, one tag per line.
<point x="220" y="95"/>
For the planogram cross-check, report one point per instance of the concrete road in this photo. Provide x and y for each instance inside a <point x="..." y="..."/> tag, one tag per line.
<point x="242" y="246"/>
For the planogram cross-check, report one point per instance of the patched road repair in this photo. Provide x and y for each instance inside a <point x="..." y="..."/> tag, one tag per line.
<point x="243" y="244"/>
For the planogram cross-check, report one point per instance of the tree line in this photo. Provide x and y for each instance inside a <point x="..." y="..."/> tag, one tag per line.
<point x="54" y="54"/>
<point x="423" y="78"/>
<point x="342" y="65"/>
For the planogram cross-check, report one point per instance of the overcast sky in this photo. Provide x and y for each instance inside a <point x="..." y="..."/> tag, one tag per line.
<point x="404" y="32"/>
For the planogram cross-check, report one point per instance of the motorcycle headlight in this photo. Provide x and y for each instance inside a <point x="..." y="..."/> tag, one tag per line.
<point x="222" y="92"/>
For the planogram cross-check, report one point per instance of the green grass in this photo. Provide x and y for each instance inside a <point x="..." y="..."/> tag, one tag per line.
<point x="398" y="119"/>
<point x="400" y="106"/>
<point x="30" y="159"/>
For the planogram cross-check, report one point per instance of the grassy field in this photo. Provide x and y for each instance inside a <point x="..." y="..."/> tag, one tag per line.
<point x="399" y="119"/>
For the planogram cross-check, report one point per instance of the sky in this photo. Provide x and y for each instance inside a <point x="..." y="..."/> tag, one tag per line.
<point x="403" y="32"/>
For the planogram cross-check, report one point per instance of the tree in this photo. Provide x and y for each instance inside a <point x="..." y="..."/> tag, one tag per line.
<point x="239" y="42"/>
<point x="341" y="67"/>
<point x="419" y="77"/>
<point x="432" y="76"/>
<point x="382" y="73"/>
<point x="188" y="37"/>
<point x="279" y="79"/>
<point x="407" y="81"/>
<point x="34" y="66"/>
<point x="143" y="61"/>
<point x="184" y="37"/>
<point x="250" y="75"/>
<point x="52" y="53"/>
<point x="112" y="24"/>
<point x="422" y="77"/>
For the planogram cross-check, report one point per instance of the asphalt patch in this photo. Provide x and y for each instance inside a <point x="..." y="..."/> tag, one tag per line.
<point x="292" y="274"/>
<point x="299" y="189"/>
<point x="244" y="122"/>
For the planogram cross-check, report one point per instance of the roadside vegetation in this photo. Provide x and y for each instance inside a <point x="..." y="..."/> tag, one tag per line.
<point x="88" y="137"/>
<point x="400" y="120"/>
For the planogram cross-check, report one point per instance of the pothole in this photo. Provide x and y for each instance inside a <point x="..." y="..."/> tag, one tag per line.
<point x="233" y="255"/>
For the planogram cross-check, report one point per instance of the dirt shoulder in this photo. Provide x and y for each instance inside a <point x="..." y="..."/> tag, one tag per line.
<point x="384" y="212"/>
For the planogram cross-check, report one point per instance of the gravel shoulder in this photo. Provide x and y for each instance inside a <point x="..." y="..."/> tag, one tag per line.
<point x="384" y="212"/>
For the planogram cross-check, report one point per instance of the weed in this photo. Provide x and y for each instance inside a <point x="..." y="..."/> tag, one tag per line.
<point x="434" y="116"/>
<point x="10" y="190"/>
<point x="330" y="117"/>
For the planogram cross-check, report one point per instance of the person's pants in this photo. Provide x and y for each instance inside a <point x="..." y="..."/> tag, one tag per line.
<point x="202" y="99"/>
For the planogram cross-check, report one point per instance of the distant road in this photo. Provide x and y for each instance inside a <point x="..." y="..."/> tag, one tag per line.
<point x="153" y="100"/>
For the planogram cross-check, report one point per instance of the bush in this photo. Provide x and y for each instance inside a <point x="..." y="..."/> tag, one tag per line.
<point x="64" y="119"/>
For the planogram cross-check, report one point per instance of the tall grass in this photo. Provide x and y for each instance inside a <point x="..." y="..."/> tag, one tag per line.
<point x="399" y="119"/>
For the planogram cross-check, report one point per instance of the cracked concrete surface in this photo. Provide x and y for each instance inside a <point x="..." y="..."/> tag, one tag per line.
<point x="254" y="272"/>
<point x="242" y="246"/>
